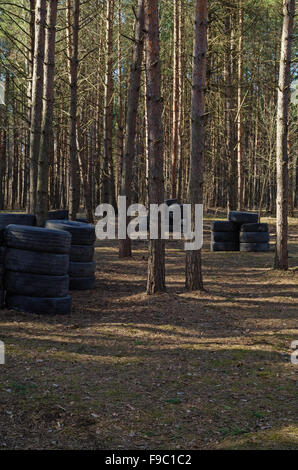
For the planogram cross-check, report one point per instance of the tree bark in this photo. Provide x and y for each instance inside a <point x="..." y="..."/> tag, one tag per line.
<point x="120" y="106"/>
<point x="46" y="146"/>
<point x="281" y="251"/>
<point x="193" y="270"/>
<point x="37" y="98"/>
<point x="180" y="97"/>
<point x="175" y="110"/>
<point x="73" y="16"/>
<point x="82" y="145"/>
<point x="239" y="112"/>
<point x="131" y="117"/>
<point x="108" y="184"/>
<point x="31" y="43"/>
<point x="4" y="140"/>
<point x="231" y="139"/>
<point x="156" y="259"/>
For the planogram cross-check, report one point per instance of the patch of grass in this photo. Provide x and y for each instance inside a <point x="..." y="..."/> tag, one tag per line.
<point x="21" y="388"/>
<point x="285" y="438"/>
<point x="174" y="401"/>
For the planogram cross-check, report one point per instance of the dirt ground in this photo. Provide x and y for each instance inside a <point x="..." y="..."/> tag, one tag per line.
<point x="180" y="370"/>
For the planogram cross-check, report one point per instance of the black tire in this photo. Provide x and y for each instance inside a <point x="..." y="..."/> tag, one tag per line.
<point x="254" y="246"/>
<point x="39" y="305"/>
<point x="82" y="234"/>
<point x="17" y="219"/>
<point x="60" y="214"/>
<point x="81" y="253"/>
<point x="37" y="239"/>
<point x="35" y="262"/>
<point x="36" y="285"/>
<point x="254" y="228"/>
<point x="224" y="246"/>
<point x="254" y="237"/>
<point x="82" y="283"/>
<point x="2" y="234"/>
<point x="223" y="226"/>
<point x="170" y="202"/>
<point x="2" y="254"/>
<point x="2" y="270"/>
<point x="2" y="298"/>
<point x="243" y="217"/>
<point x="83" y="220"/>
<point x="225" y="237"/>
<point x="81" y="269"/>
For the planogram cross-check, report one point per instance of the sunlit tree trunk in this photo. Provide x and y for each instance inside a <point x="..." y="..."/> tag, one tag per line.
<point x="37" y="98"/>
<point x="4" y="140"/>
<point x="175" y="110"/>
<point x="231" y="139"/>
<point x="132" y="109"/>
<point x="31" y="42"/>
<point x="180" y="98"/>
<point x="120" y="106"/>
<point x="108" y="182"/>
<point x="156" y="259"/>
<point x="73" y="17"/>
<point x="82" y="146"/>
<point x="46" y="145"/>
<point x="193" y="270"/>
<point x="281" y="252"/>
<point x="239" y="115"/>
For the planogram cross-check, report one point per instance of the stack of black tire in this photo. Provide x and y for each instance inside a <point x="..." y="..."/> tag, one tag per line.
<point x="239" y="218"/>
<point x="81" y="266"/>
<point x="224" y="236"/>
<point x="17" y="219"/>
<point x="36" y="270"/>
<point x="6" y="219"/>
<point x="241" y="232"/>
<point x="63" y="214"/>
<point x="58" y="214"/>
<point x="83" y="220"/>
<point x="254" y="237"/>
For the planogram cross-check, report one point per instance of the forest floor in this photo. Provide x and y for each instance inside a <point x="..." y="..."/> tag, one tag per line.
<point x="180" y="370"/>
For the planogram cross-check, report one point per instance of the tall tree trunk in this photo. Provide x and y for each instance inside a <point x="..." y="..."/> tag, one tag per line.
<point x="47" y="137"/>
<point x="231" y="140"/>
<point x="193" y="271"/>
<point x="281" y="252"/>
<point x="98" y="120"/>
<point x="180" y="97"/>
<point x="120" y="106"/>
<point x="291" y="158"/>
<point x="37" y="98"/>
<point x="31" y="41"/>
<point x="146" y="150"/>
<point x="156" y="259"/>
<point x="239" y="112"/>
<point x="82" y="145"/>
<point x="132" y="110"/>
<point x="73" y="16"/>
<point x="175" y="109"/>
<point x="4" y="140"/>
<point x="108" y="184"/>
